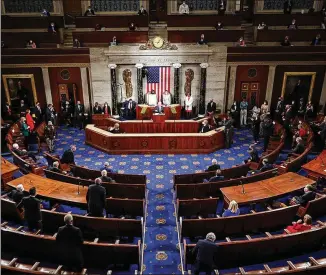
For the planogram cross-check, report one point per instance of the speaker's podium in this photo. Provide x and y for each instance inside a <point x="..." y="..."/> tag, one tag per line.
<point x="172" y="112"/>
<point x="158" y="118"/>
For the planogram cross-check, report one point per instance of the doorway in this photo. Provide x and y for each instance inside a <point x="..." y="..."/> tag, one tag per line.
<point x="250" y="91"/>
<point x="157" y="10"/>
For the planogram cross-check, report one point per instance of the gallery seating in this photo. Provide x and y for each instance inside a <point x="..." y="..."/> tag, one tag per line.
<point x="229" y="173"/>
<point x="193" y="36"/>
<point x="286" y="19"/>
<point x="212" y="189"/>
<point x="98" y="255"/>
<point x="294" y="35"/>
<point x="203" y="20"/>
<point x="19" y="39"/>
<point x="30" y="22"/>
<point x="111" y="21"/>
<point x="115" y="190"/>
<point x="99" y="38"/>
<point x="260" y="250"/>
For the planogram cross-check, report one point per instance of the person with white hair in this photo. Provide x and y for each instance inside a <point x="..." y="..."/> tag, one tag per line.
<point x="214" y="166"/>
<point x="205" y="252"/>
<point x="299" y="147"/>
<point x="95" y="197"/>
<point x="55" y="168"/>
<point x="22" y="153"/>
<point x="68" y="155"/>
<point x="184" y="8"/>
<point x="49" y="134"/>
<point x="106" y="167"/>
<point x="70" y="240"/>
<point x="205" y="127"/>
<point x="115" y="129"/>
<point x="104" y="176"/>
<point x="233" y="210"/>
<point x="17" y="194"/>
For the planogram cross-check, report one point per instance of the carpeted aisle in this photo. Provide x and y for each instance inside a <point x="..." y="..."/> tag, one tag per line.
<point x="161" y="253"/>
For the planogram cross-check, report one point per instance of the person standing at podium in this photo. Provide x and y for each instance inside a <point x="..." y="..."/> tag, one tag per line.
<point x="152" y="99"/>
<point x="130" y="107"/>
<point x="188" y="105"/>
<point x="159" y="108"/>
<point x="166" y="98"/>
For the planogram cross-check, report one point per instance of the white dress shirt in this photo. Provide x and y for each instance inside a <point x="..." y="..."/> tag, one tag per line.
<point x="184" y="8"/>
<point x="188" y="101"/>
<point x="166" y="99"/>
<point x="152" y="100"/>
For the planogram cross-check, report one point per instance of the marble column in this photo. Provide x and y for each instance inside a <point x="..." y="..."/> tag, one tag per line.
<point x="232" y="80"/>
<point x="47" y="87"/>
<point x="270" y="83"/>
<point x="140" y="94"/>
<point x="83" y="73"/>
<point x="114" y="89"/>
<point x="176" y="97"/>
<point x="202" y="92"/>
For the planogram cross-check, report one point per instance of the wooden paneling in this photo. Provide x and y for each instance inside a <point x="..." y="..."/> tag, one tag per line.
<point x="286" y="19"/>
<point x="58" y="51"/>
<point x="28" y="22"/>
<point x="38" y="77"/>
<point x="19" y="39"/>
<point x="294" y="35"/>
<point x="55" y="79"/>
<point x="111" y="21"/>
<point x="261" y="78"/>
<point x="203" y="20"/>
<point x="278" y="80"/>
<point x="191" y="36"/>
<point x="98" y="37"/>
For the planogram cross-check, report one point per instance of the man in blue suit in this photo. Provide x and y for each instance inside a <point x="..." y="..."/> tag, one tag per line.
<point x="159" y="108"/>
<point x="205" y="251"/>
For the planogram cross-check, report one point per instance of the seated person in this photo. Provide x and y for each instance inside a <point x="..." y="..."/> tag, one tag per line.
<point x="202" y="40"/>
<point x="211" y="107"/>
<point x="55" y="168"/>
<point x="300" y="226"/>
<point x="262" y="26"/>
<point x="159" y="108"/>
<point x="316" y="41"/>
<point x="98" y="27"/>
<point x="152" y="98"/>
<point x="266" y="166"/>
<point x="184" y="8"/>
<point x="104" y="176"/>
<point x="309" y="195"/>
<point x="114" y="41"/>
<point x="241" y="42"/>
<point x="106" y="110"/>
<point x="299" y="147"/>
<point x="166" y="98"/>
<point x="89" y="11"/>
<point x="31" y="44"/>
<point x="23" y="153"/>
<point x="45" y="13"/>
<point x="115" y="129"/>
<point x="221" y="7"/>
<point x="232" y="211"/>
<point x="17" y="194"/>
<point x="253" y="154"/>
<point x="52" y="28"/>
<point x="214" y="166"/>
<point x="205" y="127"/>
<point x="218" y="176"/>
<point x="76" y="43"/>
<point x="219" y="26"/>
<point x="97" y="109"/>
<point x="293" y="25"/>
<point x="106" y="167"/>
<point x="142" y="11"/>
<point x="132" y="26"/>
<point x="286" y="42"/>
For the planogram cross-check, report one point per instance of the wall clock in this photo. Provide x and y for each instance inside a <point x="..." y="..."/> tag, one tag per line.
<point x="252" y="72"/>
<point x="65" y="74"/>
<point x="158" y="42"/>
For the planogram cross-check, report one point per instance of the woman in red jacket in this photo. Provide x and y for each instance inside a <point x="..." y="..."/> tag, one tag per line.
<point x="29" y="120"/>
<point x="299" y="226"/>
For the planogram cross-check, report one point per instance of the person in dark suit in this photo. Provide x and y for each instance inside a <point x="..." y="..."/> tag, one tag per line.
<point x="104" y="176"/>
<point x="286" y="42"/>
<point x="219" y="26"/>
<point x="52" y="28"/>
<point x="115" y="129"/>
<point x="159" y="108"/>
<point x="299" y="147"/>
<point x="106" y="167"/>
<point x="214" y="166"/>
<point x="17" y="194"/>
<point x="55" y="168"/>
<point x="23" y="153"/>
<point x="6" y="111"/>
<point x="70" y="240"/>
<point x="38" y="113"/>
<point x="205" y="127"/>
<point x="211" y="107"/>
<point x="142" y="11"/>
<point x="45" y="13"/>
<point x="268" y="129"/>
<point x="287" y="6"/>
<point x="217" y="177"/>
<point x="293" y="25"/>
<point x="32" y="207"/>
<point x="316" y="41"/>
<point x="309" y="195"/>
<point x="279" y="109"/>
<point x="205" y="251"/>
<point x="253" y="154"/>
<point x="89" y="11"/>
<point x="68" y="155"/>
<point x="97" y="109"/>
<point x="95" y="198"/>
<point x="79" y="115"/>
<point x="266" y="166"/>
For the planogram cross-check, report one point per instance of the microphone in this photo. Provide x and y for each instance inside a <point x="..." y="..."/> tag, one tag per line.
<point x="243" y="191"/>
<point x="78" y="188"/>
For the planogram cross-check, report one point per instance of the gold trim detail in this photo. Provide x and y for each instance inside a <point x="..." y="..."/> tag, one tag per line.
<point x="8" y="76"/>
<point x="312" y="83"/>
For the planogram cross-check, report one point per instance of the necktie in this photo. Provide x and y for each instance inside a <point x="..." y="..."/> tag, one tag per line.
<point x="129" y="105"/>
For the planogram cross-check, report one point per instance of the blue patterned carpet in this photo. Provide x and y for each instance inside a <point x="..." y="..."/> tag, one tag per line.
<point x="161" y="250"/>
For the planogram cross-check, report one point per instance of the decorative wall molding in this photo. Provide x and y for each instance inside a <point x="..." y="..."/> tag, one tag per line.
<point x="46" y="65"/>
<point x="203" y="65"/>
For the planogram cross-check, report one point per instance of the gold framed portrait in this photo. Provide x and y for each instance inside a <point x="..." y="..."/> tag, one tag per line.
<point x="10" y="83"/>
<point x="298" y="84"/>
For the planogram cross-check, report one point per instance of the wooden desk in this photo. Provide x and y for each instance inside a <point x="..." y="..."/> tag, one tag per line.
<point x="154" y="143"/>
<point x="150" y="109"/>
<point x="317" y="167"/>
<point x="7" y="170"/>
<point x="52" y="189"/>
<point x="294" y="35"/>
<point x="111" y="21"/>
<point x="265" y="189"/>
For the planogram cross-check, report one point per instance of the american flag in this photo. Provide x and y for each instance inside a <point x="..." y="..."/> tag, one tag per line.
<point x="158" y="79"/>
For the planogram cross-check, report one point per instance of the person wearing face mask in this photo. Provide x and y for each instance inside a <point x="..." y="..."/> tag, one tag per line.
<point x="79" y="115"/>
<point x="241" y="42"/>
<point x="202" y="40"/>
<point x="52" y="28"/>
<point x="205" y="127"/>
<point x="106" y="109"/>
<point x="89" y="11"/>
<point x="97" y="109"/>
<point x="219" y="26"/>
<point x="142" y="11"/>
<point x="38" y="113"/>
